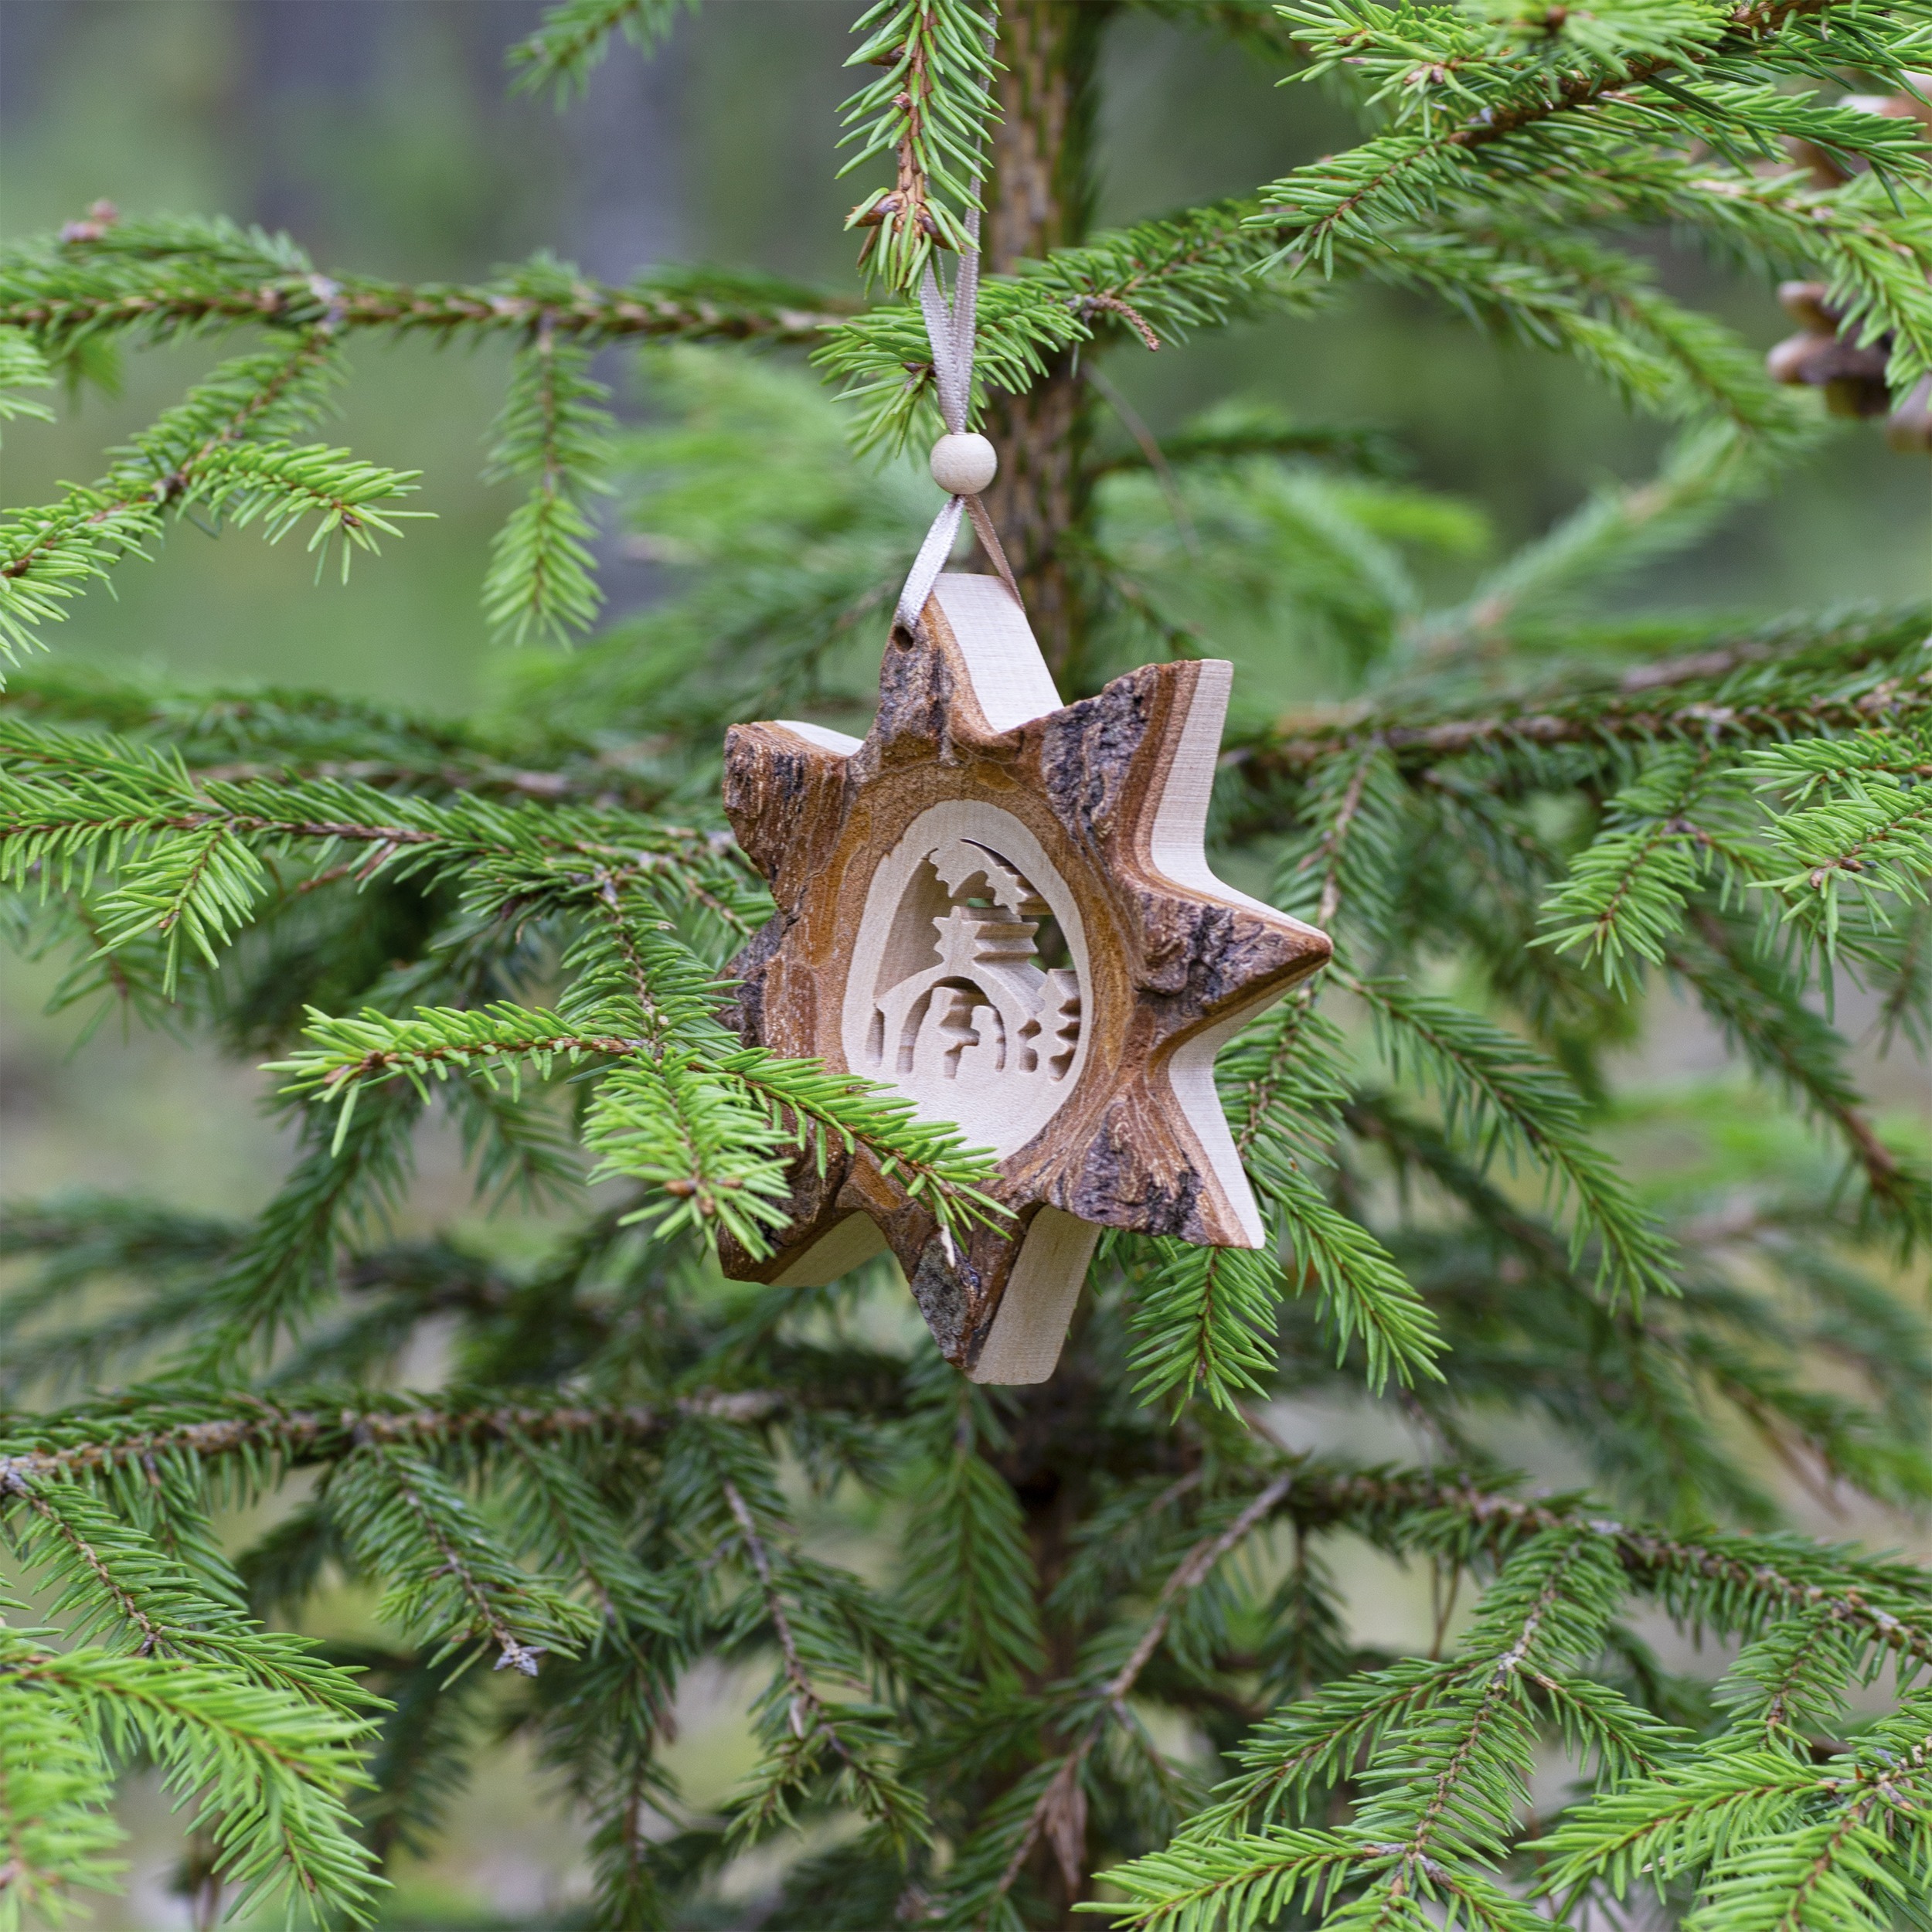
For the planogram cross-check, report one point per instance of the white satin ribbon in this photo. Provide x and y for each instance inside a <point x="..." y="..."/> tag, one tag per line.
<point x="950" y="330"/>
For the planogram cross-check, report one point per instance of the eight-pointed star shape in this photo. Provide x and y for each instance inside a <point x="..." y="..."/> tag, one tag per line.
<point x="916" y="871"/>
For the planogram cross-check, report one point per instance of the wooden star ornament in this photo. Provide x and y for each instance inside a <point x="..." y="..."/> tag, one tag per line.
<point x="1000" y="906"/>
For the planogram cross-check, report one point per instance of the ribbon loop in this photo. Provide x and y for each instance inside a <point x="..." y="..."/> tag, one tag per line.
<point x="950" y="327"/>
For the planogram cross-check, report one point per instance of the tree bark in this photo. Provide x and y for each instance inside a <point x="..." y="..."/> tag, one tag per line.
<point x="1041" y="198"/>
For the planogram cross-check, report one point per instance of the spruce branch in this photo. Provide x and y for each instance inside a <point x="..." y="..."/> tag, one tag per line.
<point x="1207" y="267"/>
<point x="1844" y="677"/>
<point x="929" y="109"/>
<point x="223" y="449"/>
<point x="1205" y="1317"/>
<point x="449" y="1582"/>
<point x="170" y="1432"/>
<point x="347" y="1054"/>
<point x="1472" y="90"/>
<point x="1780" y="1839"/>
<point x="117" y="1583"/>
<point x="57" y="1835"/>
<point x="554" y="432"/>
<point x="1057" y="1811"/>
<point x="1447" y="1749"/>
<point x="266" y="1768"/>
<point x="570" y="43"/>
<point x="821" y="1623"/>
<point x="1868" y="839"/>
<point x="1493" y="1086"/>
<point x="158" y="280"/>
<point x="191" y="857"/>
<point x="1548" y="1610"/>
<point x="21" y="367"/>
<point x="1628" y="891"/>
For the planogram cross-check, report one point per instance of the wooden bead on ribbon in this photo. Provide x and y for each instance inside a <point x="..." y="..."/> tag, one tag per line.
<point x="964" y="463"/>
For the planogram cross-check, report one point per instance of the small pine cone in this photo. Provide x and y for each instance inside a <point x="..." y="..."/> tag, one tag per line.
<point x="1910" y="428"/>
<point x="101" y="217"/>
<point x="1829" y="170"/>
<point x="1852" y="375"/>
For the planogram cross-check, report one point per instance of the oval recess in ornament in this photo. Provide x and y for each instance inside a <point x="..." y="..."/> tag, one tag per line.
<point x="946" y="998"/>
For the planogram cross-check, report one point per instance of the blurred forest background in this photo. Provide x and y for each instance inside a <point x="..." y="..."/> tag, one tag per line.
<point x="381" y="134"/>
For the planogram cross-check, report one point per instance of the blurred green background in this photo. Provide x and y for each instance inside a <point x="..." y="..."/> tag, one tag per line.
<point x="380" y="133"/>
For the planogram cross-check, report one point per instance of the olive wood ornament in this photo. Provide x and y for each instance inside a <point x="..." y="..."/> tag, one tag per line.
<point x="916" y="872"/>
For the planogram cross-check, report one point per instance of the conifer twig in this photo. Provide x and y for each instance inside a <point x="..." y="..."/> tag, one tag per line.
<point x="804" y="1692"/>
<point x="1110" y="1699"/>
<point x="306" y="1435"/>
<point x="171" y="298"/>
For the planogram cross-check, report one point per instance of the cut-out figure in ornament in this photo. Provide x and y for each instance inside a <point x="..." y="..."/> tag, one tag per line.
<point x="979" y="1013"/>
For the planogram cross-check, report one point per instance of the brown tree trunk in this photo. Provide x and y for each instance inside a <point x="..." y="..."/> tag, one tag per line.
<point x="1041" y="198"/>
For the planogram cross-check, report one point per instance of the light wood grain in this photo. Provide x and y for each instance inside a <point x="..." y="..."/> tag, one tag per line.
<point x="1024" y="1343"/>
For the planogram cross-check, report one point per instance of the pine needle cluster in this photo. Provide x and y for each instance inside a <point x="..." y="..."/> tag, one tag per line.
<point x="1099" y="1656"/>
